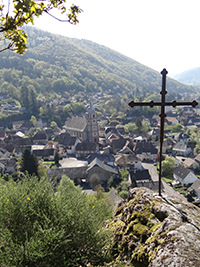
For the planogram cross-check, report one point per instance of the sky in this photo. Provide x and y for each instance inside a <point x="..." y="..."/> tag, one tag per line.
<point x="157" y="33"/>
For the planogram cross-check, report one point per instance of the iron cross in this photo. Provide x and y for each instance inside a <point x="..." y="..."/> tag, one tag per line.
<point x="162" y="115"/>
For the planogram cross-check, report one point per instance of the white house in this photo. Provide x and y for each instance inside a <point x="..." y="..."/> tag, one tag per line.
<point x="184" y="176"/>
<point x="181" y="149"/>
<point x="128" y="161"/>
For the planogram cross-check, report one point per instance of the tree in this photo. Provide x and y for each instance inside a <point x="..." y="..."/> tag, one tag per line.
<point x="33" y="120"/>
<point x="138" y="123"/>
<point x="20" y="12"/>
<point x="53" y="125"/>
<point x="168" y="166"/>
<point x="29" y="162"/>
<point x="41" y="228"/>
<point x="56" y="158"/>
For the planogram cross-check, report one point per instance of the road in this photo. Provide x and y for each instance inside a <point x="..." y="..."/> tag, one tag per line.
<point x="154" y="176"/>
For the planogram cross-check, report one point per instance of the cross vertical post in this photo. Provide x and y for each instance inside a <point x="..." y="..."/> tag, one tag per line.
<point x="162" y="115"/>
<point x="162" y="121"/>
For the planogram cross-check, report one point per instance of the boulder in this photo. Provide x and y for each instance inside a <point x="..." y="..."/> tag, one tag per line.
<point x="155" y="231"/>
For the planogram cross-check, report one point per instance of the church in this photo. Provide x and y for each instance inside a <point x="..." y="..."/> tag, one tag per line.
<point x="85" y="128"/>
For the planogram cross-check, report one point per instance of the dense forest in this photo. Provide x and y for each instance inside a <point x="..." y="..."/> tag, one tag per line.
<point x="55" y="66"/>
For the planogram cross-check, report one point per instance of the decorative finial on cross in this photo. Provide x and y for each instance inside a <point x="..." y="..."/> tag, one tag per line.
<point x="162" y="115"/>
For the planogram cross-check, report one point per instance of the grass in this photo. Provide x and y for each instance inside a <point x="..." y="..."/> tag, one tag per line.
<point x="167" y="180"/>
<point x="48" y="162"/>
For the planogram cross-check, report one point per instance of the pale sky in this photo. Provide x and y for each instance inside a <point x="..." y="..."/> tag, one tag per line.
<point x="157" y="33"/>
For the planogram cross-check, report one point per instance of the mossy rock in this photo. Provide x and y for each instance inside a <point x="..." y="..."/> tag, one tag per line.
<point x="147" y="224"/>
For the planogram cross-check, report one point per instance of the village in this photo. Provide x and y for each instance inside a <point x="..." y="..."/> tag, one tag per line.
<point x="91" y="154"/>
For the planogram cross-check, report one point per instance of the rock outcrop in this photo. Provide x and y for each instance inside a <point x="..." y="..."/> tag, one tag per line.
<point x="153" y="231"/>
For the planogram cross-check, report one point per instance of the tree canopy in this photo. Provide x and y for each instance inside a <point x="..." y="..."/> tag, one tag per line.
<point x="14" y="15"/>
<point x="29" y="162"/>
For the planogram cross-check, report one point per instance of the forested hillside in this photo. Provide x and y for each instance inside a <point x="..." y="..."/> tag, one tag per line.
<point x="59" y="64"/>
<point x="190" y="77"/>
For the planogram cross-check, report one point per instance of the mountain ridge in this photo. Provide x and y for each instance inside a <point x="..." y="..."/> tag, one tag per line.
<point x="189" y="77"/>
<point x="81" y="64"/>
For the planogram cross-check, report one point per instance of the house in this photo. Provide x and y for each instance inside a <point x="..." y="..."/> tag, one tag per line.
<point x="127" y="148"/>
<point x="85" y="128"/>
<point x="56" y="131"/>
<point x="49" y="133"/>
<point x="140" y="139"/>
<point x="142" y="178"/>
<point x="197" y="158"/>
<point x="23" y="142"/>
<point x="182" y="137"/>
<point x="181" y="149"/>
<point x="44" y="153"/>
<point x="110" y="137"/>
<point x="139" y="175"/>
<point x="171" y="120"/>
<point x="10" y="165"/>
<point x="68" y="145"/>
<point x="105" y="158"/>
<point x="122" y="145"/>
<point x="16" y="124"/>
<point x="25" y="127"/>
<point x="40" y="138"/>
<point x="191" y="163"/>
<point x="167" y="145"/>
<point x="4" y="153"/>
<point x="100" y="171"/>
<point x="184" y="176"/>
<point x="85" y="149"/>
<point x="155" y="133"/>
<point x="195" y="188"/>
<point x="19" y="134"/>
<point x="129" y="161"/>
<point x="145" y="151"/>
<point x="9" y="105"/>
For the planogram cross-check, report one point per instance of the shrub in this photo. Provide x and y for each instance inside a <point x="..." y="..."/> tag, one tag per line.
<point x="123" y="194"/>
<point x="41" y="228"/>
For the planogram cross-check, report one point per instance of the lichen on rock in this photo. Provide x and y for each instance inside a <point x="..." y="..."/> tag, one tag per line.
<point x="149" y="230"/>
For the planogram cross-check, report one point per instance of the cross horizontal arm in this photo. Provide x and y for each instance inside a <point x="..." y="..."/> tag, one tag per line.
<point x="173" y="104"/>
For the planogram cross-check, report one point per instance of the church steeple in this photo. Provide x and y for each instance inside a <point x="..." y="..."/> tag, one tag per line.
<point x="92" y="124"/>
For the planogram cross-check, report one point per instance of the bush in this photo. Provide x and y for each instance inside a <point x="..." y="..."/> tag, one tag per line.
<point x="123" y="194"/>
<point x="41" y="228"/>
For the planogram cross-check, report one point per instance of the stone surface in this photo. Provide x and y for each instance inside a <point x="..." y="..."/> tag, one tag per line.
<point x="154" y="231"/>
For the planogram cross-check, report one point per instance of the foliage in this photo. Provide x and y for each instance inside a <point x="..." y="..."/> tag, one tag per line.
<point x="123" y="194"/>
<point x="33" y="120"/>
<point x="168" y="166"/>
<point x="56" y="158"/>
<point x="124" y="174"/>
<point x="76" y="70"/>
<point x="177" y="128"/>
<point x="41" y="228"/>
<point x="13" y="17"/>
<point x="29" y="162"/>
<point x="130" y="127"/>
<point x="101" y="203"/>
<point x="53" y="125"/>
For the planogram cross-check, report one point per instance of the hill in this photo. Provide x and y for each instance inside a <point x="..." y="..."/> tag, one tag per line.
<point x="189" y="77"/>
<point x="58" y="64"/>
